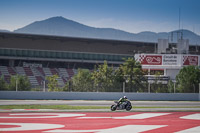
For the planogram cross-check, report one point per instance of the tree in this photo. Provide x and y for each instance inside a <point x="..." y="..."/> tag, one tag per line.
<point x="170" y="86"/>
<point x="103" y="77"/>
<point x="3" y="84"/>
<point x="19" y="82"/>
<point x="52" y="83"/>
<point x="131" y="71"/>
<point x="188" y="79"/>
<point x="82" y="81"/>
<point x="157" y="86"/>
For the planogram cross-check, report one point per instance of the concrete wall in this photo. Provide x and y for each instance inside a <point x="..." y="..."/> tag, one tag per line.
<point x="98" y="96"/>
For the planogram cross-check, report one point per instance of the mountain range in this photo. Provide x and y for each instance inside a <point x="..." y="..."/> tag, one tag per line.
<point x="61" y="26"/>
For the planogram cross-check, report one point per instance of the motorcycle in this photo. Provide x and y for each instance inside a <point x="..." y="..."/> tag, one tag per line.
<point x="118" y="106"/>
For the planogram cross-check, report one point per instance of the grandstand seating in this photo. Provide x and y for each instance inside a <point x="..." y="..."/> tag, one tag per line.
<point x="11" y="71"/>
<point x="4" y="70"/>
<point x="28" y="71"/>
<point x="40" y="70"/>
<point x="39" y="80"/>
<point x="47" y="72"/>
<point x="36" y="75"/>
<point x="54" y="71"/>
<point x="7" y="78"/>
<point x="63" y="72"/>
<point x="33" y="80"/>
<point x="20" y="71"/>
<point x="75" y="71"/>
<point x="70" y="72"/>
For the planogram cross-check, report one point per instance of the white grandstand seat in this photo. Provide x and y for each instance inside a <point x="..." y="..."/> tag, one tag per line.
<point x="53" y="71"/>
<point x="29" y="73"/>
<point x="63" y="72"/>
<point x="20" y="71"/>
<point x="60" y="81"/>
<point x="47" y="72"/>
<point x="40" y="69"/>
<point x="37" y="75"/>
<point x="33" y="80"/>
<point x="4" y="70"/>
<point x="35" y="72"/>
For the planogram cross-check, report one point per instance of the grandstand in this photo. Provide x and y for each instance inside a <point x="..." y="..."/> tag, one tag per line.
<point x="38" y="56"/>
<point x="37" y="75"/>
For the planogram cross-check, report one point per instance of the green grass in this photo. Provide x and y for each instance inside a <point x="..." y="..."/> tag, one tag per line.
<point x="60" y="107"/>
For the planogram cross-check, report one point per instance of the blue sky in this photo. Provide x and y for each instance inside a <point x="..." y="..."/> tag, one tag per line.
<point x="129" y="15"/>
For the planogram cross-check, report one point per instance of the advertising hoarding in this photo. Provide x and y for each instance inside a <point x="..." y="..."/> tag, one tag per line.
<point x="168" y="59"/>
<point x="171" y="59"/>
<point x="190" y="60"/>
<point x="150" y="59"/>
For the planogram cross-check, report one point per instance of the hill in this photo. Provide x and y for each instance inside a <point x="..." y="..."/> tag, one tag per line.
<point x="60" y="26"/>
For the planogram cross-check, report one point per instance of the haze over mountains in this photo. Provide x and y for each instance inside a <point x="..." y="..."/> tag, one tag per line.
<point x="60" y="26"/>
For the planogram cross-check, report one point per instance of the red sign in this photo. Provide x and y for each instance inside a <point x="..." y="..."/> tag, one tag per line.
<point x="190" y="60"/>
<point x="150" y="59"/>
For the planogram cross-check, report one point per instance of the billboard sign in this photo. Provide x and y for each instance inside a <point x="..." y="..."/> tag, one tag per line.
<point x="168" y="59"/>
<point x="171" y="59"/>
<point x="190" y="60"/>
<point x="150" y="59"/>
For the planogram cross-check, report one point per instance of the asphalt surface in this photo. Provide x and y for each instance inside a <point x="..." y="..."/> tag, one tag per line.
<point x="150" y="105"/>
<point x="102" y="103"/>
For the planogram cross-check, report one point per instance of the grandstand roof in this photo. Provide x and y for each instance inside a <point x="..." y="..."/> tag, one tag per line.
<point x="61" y="43"/>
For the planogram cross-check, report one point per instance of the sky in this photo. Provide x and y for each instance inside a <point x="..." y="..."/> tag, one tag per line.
<point x="129" y="15"/>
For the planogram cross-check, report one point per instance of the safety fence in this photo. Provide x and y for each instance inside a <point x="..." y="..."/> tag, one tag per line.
<point x="31" y="95"/>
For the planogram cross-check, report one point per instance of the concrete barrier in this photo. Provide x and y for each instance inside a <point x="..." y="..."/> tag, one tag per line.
<point x="31" y="95"/>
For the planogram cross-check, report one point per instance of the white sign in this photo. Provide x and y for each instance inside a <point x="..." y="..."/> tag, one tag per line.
<point x="171" y="59"/>
<point x="25" y="64"/>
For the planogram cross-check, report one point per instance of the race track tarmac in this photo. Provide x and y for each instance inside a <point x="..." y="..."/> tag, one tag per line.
<point x="100" y="122"/>
<point x="137" y="105"/>
<point x="101" y="103"/>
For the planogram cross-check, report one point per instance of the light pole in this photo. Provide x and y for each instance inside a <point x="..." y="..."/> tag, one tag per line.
<point x="124" y="83"/>
<point x="44" y="86"/>
<point x="16" y="84"/>
<point x="174" y="87"/>
<point x="199" y="88"/>
<point x="124" y="87"/>
<point x="149" y="87"/>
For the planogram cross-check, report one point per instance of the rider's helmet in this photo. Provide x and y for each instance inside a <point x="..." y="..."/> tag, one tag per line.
<point x="125" y="97"/>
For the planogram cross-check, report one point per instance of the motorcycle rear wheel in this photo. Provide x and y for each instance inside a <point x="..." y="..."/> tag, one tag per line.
<point x="113" y="108"/>
<point x="128" y="108"/>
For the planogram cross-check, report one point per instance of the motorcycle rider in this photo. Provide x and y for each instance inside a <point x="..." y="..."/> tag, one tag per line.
<point x="123" y="101"/>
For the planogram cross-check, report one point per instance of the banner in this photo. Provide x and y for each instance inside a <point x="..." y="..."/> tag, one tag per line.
<point x="168" y="59"/>
<point x="150" y="59"/>
<point x="171" y="59"/>
<point x="190" y="60"/>
<point x="25" y="64"/>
